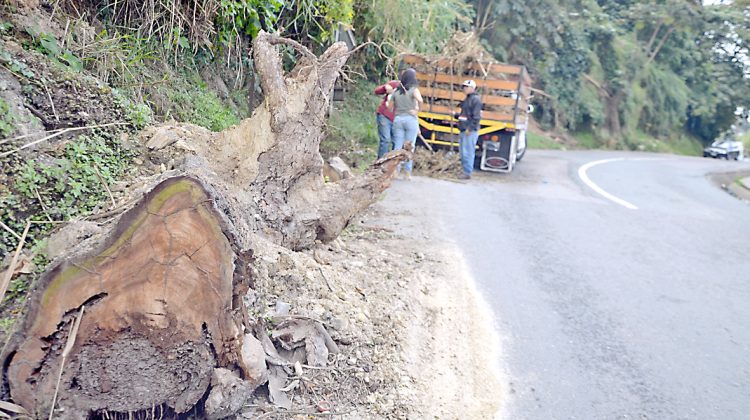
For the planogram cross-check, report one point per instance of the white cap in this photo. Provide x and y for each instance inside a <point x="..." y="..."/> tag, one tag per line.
<point x="470" y="83"/>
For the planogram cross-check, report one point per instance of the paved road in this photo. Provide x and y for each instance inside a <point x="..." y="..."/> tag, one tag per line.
<point x="605" y="312"/>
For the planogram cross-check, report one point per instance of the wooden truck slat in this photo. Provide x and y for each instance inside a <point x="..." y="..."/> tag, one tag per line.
<point x="509" y="85"/>
<point x="448" y="94"/>
<point x="489" y="68"/>
<point x="489" y="115"/>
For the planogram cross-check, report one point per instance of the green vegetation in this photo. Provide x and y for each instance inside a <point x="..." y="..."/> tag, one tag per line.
<point x="14" y="65"/>
<point x="539" y="141"/>
<point x="657" y="75"/>
<point x="137" y="114"/>
<point x="6" y="119"/>
<point x="69" y="186"/>
<point x="680" y="145"/>
<point x="745" y="139"/>
<point x="48" y="45"/>
<point x="586" y="140"/>
<point x="6" y="324"/>
<point x="194" y="103"/>
<point x="352" y="127"/>
<point x="671" y="69"/>
<point x="409" y="25"/>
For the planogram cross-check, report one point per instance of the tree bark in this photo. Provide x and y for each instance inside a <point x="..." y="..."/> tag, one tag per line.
<point x="162" y="287"/>
<point x="613" y="113"/>
<point x="658" y="48"/>
<point x="651" y="39"/>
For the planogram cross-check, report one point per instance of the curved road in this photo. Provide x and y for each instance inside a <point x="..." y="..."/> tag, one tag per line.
<point x="604" y="311"/>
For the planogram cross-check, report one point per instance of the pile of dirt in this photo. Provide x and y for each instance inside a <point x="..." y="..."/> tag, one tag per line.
<point x="403" y="315"/>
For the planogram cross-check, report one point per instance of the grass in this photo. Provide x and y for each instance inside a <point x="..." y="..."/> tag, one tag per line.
<point x="171" y="86"/>
<point x="539" y="141"/>
<point x="190" y="100"/>
<point x="352" y="132"/>
<point x="681" y="145"/>
<point x="640" y="141"/>
<point x="745" y="139"/>
<point x="587" y="140"/>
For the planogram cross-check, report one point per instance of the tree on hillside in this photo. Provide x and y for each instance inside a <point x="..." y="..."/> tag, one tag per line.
<point x="540" y="35"/>
<point x="619" y="67"/>
<point x="398" y="26"/>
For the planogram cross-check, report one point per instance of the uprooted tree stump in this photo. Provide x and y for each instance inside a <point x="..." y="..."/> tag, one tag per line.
<point x="162" y="289"/>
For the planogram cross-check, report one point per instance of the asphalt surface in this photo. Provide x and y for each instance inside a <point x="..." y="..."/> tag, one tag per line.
<point x="604" y="312"/>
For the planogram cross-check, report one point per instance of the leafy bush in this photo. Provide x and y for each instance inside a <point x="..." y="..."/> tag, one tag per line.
<point x="48" y="45"/>
<point x="196" y="104"/>
<point x="137" y="114"/>
<point x="236" y="18"/>
<point x="67" y="187"/>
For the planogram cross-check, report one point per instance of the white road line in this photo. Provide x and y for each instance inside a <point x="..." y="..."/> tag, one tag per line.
<point x="585" y="178"/>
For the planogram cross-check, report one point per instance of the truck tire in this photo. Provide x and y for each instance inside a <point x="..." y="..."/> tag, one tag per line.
<point x="521" y="154"/>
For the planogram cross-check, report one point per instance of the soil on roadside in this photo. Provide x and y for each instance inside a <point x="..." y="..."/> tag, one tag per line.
<point x="735" y="183"/>
<point x="407" y="320"/>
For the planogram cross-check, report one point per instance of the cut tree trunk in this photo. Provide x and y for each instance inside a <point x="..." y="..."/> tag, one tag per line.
<point x="162" y="289"/>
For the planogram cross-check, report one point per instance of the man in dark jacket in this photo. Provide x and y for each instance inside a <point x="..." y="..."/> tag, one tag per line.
<point x="384" y="117"/>
<point x="468" y="125"/>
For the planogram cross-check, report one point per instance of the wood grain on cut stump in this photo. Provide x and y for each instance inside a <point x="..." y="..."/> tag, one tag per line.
<point x="158" y="304"/>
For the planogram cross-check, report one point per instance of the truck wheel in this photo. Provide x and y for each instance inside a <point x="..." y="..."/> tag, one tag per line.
<point x="520" y="155"/>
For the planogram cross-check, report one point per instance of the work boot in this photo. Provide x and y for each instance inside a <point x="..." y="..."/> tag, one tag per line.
<point x="464" y="175"/>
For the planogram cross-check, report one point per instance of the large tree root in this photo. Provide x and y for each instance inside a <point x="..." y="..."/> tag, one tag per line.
<point x="162" y="290"/>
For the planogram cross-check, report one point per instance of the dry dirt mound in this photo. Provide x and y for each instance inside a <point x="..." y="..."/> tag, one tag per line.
<point x="406" y="319"/>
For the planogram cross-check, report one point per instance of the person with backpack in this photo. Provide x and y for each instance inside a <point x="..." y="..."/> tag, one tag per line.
<point x="405" y="102"/>
<point x="468" y="126"/>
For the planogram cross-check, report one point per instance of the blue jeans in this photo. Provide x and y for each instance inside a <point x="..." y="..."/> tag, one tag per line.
<point x="384" y="134"/>
<point x="405" y="129"/>
<point x="467" y="143"/>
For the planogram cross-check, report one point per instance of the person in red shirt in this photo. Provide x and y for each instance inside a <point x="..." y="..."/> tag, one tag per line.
<point x="384" y="118"/>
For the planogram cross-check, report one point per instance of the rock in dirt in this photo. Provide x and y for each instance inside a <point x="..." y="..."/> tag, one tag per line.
<point x="336" y="169"/>
<point x="340" y="167"/>
<point x="254" y="359"/>
<point x="161" y="137"/>
<point x="295" y="333"/>
<point x="228" y="394"/>
<point x="276" y="381"/>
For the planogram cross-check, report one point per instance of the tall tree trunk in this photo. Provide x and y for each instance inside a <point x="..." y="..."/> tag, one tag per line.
<point x="613" y="114"/>
<point x="660" y="46"/>
<point x="162" y="286"/>
<point x="651" y="39"/>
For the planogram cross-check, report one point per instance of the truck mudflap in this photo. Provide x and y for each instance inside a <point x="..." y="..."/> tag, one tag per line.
<point x="499" y="156"/>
